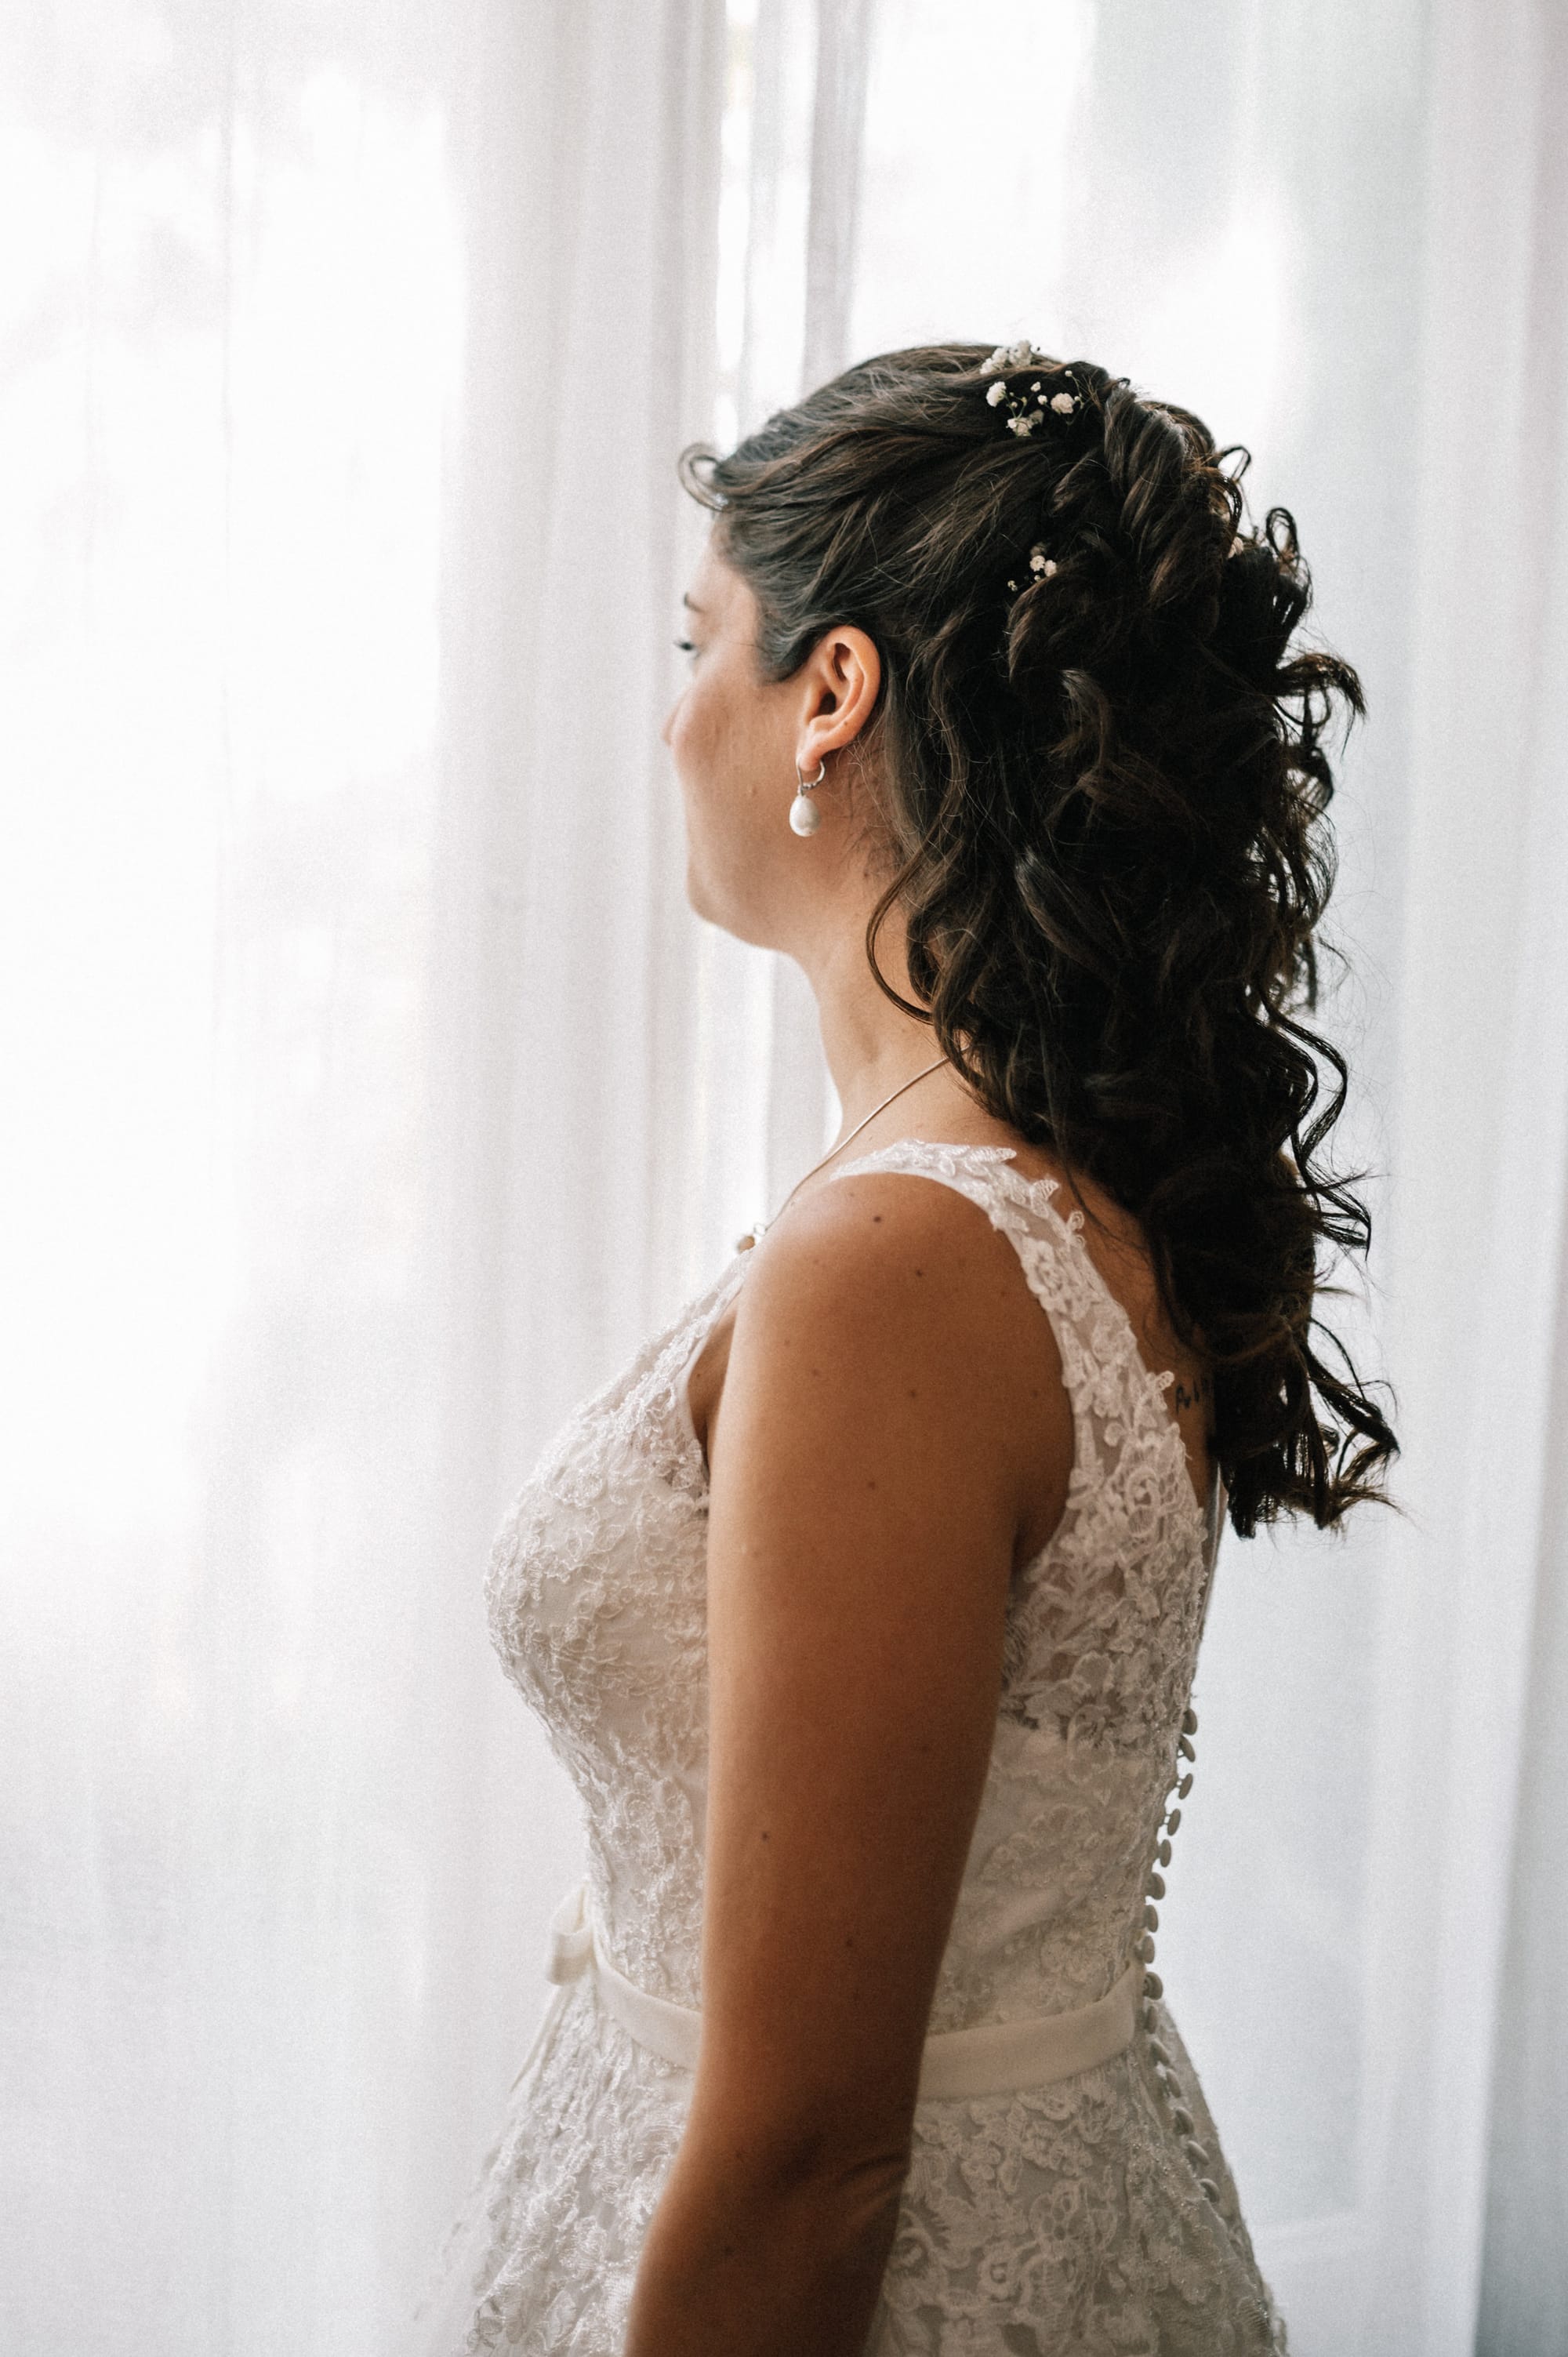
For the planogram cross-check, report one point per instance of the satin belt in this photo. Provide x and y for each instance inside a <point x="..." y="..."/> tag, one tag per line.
<point x="995" y="2059"/>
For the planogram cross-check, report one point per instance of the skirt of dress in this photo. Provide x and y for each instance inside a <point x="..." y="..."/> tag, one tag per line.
<point x="1062" y="2221"/>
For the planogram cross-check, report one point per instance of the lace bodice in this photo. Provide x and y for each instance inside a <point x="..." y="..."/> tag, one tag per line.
<point x="597" y="1600"/>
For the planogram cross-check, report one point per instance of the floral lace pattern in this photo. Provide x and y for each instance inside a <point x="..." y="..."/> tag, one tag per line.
<point x="1095" y="2216"/>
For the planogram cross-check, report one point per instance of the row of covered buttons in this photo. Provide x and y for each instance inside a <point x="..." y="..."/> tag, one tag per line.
<point x="1154" y="1987"/>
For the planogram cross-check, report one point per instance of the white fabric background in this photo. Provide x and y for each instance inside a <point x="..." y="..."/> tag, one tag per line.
<point x="371" y="1091"/>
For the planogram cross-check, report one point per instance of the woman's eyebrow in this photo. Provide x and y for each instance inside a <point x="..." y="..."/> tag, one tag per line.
<point x="690" y="601"/>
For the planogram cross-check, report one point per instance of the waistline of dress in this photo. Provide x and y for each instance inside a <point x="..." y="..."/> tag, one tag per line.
<point x="956" y="2065"/>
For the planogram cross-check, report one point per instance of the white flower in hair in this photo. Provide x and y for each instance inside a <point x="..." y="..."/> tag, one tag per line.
<point x="1041" y="566"/>
<point x="1025" y="408"/>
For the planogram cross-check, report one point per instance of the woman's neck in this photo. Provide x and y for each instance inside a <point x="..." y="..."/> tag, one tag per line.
<point x="872" y="1047"/>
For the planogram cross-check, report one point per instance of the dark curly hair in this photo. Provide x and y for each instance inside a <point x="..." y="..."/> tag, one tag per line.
<point x="1102" y="788"/>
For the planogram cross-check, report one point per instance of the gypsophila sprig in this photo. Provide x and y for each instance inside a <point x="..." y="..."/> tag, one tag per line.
<point x="1041" y="566"/>
<point x="1025" y="408"/>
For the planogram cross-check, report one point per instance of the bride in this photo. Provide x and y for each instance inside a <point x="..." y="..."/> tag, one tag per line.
<point x="863" y="1606"/>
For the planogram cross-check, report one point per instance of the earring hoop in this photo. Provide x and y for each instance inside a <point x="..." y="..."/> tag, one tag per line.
<point x="805" y="817"/>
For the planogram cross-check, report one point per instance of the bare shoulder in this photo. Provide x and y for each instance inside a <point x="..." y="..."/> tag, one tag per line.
<point x="874" y="1228"/>
<point x="882" y="1260"/>
<point x="887" y="1310"/>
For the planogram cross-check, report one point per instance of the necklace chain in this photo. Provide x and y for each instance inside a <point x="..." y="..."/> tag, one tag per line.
<point x="756" y="1234"/>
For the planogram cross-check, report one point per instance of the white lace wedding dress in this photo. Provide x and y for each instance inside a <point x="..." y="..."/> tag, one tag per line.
<point x="1093" y="2217"/>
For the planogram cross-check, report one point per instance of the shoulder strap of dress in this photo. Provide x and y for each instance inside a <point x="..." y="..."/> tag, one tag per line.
<point x="984" y="1173"/>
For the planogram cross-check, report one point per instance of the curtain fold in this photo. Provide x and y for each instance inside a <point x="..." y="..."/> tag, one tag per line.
<point x="1481" y="1124"/>
<point x="1524" y="2281"/>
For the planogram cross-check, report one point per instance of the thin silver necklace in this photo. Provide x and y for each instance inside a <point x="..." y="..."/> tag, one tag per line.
<point x="756" y="1234"/>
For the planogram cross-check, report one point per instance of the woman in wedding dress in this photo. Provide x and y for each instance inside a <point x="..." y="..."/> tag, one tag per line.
<point x="863" y="1606"/>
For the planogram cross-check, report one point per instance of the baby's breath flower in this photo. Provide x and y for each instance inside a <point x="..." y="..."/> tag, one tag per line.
<point x="1025" y="408"/>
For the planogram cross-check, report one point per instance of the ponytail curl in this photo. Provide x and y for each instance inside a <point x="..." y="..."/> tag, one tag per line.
<point x="1104" y="799"/>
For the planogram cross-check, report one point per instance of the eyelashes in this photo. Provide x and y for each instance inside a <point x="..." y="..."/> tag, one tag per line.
<point x="686" y="646"/>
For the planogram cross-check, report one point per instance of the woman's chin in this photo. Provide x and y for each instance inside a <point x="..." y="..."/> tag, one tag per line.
<point x="727" y="910"/>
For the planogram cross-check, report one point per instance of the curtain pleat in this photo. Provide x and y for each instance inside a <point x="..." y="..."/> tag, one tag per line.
<point x="1524" y="2280"/>
<point x="1481" y="1169"/>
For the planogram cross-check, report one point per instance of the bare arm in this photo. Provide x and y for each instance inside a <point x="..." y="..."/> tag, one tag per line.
<point x="867" y="1498"/>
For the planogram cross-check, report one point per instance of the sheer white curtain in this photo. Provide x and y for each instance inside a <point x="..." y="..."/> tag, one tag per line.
<point x="371" y="1092"/>
<point x="360" y="1116"/>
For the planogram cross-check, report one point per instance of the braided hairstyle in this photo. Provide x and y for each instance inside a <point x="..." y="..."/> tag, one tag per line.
<point x="1102" y="792"/>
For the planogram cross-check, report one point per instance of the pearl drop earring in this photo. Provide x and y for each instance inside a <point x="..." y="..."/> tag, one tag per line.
<point x="804" y="816"/>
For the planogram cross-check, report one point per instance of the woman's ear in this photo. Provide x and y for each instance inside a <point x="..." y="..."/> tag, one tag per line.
<point x="842" y="679"/>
